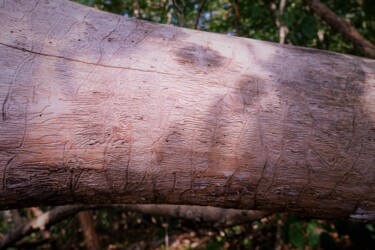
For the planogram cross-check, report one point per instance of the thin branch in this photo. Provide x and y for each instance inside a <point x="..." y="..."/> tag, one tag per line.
<point x="203" y="2"/>
<point x="238" y="17"/>
<point x="88" y="228"/>
<point x="278" y="12"/>
<point x="219" y="216"/>
<point x="40" y="223"/>
<point x="283" y="30"/>
<point x="342" y="26"/>
<point x="137" y="11"/>
<point x="179" y="13"/>
<point x="199" y="213"/>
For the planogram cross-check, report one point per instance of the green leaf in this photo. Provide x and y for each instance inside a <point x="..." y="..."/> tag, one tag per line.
<point x="291" y="220"/>
<point x="308" y="26"/>
<point x="370" y="227"/>
<point x="369" y="8"/>
<point x="311" y="226"/>
<point x="314" y="240"/>
<point x="247" y="242"/>
<point x="296" y="236"/>
<point x="288" y="18"/>
<point x="314" y="237"/>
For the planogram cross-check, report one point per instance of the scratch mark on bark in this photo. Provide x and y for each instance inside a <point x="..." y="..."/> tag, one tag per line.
<point x="28" y="13"/>
<point x="25" y="128"/>
<point x="4" y="113"/>
<point x="105" y="37"/>
<point x="9" y="162"/>
<point x="74" y="24"/>
<point x="352" y="139"/>
<point x="155" y="192"/>
<point x="320" y="157"/>
<point x="71" y="186"/>
<point x="227" y="185"/>
<point x="128" y="162"/>
<point x="264" y="147"/>
<point x="258" y="184"/>
<point x="84" y="62"/>
<point x="302" y="99"/>
<point x="143" y="38"/>
<point x="191" y="158"/>
<point x="105" y="161"/>
<point x="285" y="110"/>
<point x="174" y="182"/>
<point x="348" y="80"/>
<point x="348" y="172"/>
<point x="41" y="113"/>
<point x="142" y="181"/>
<point x="106" y="65"/>
<point x="184" y="193"/>
<point x="78" y="178"/>
<point x="64" y="153"/>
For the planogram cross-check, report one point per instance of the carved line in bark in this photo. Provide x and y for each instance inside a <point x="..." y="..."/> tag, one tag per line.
<point x="80" y="61"/>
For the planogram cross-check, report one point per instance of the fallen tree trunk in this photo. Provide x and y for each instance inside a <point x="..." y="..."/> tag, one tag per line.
<point x="97" y="108"/>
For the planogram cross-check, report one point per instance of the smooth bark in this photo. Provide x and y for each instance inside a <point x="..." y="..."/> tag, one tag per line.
<point x="98" y="108"/>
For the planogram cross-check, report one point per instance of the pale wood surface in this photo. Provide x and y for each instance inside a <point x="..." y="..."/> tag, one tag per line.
<point x="99" y="108"/>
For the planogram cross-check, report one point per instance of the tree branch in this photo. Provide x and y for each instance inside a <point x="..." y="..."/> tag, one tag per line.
<point x="179" y="13"/>
<point x="283" y="30"/>
<point x="87" y="224"/>
<point x="224" y="217"/>
<point x="137" y="10"/>
<point x="39" y="223"/>
<point x="203" y="2"/>
<point x="342" y="26"/>
<point x="237" y="14"/>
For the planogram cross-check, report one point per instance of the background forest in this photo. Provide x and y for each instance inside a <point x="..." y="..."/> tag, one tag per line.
<point x="291" y="22"/>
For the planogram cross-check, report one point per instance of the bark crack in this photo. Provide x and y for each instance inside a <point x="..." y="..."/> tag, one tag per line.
<point x="284" y="121"/>
<point x="105" y="38"/>
<point x="103" y="65"/>
<point x="4" y="113"/>
<point x="128" y="162"/>
<point x="258" y="184"/>
<point x="9" y="162"/>
<point x="84" y="62"/>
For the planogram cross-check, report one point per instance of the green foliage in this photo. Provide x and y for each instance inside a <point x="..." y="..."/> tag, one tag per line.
<point x="296" y="235"/>
<point x="313" y="234"/>
<point x="321" y="234"/>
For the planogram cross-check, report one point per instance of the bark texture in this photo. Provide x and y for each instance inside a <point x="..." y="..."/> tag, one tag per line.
<point x="98" y="108"/>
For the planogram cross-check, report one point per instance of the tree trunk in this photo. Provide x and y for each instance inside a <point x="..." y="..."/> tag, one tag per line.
<point x="98" y="108"/>
<point x="88" y="228"/>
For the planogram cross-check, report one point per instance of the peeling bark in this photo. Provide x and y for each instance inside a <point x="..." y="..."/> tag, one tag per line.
<point x="97" y="109"/>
